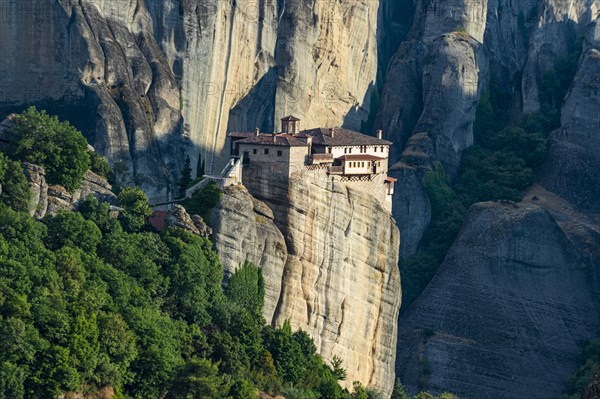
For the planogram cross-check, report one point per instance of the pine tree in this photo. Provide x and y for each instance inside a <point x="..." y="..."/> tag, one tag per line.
<point x="186" y="177"/>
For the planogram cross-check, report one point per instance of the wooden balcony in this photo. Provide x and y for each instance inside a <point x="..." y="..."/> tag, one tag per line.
<point x="336" y="170"/>
<point x="314" y="159"/>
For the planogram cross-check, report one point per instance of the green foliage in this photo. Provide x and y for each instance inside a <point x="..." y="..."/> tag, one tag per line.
<point x="88" y="301"/>
<point x="339" y="372"/>
<point x="186" y="177"/>
<point x="99" y="165"/>
<point x="447" y="214"/>
<point x="246" y="288"/>
<point x="57" y="146"/>
<point x="203" y="201"/>
<point x="589" y="365"/>
<point x="15" y="189"/>
<point x="68" y="228"/>
<point x="136" y="208"/>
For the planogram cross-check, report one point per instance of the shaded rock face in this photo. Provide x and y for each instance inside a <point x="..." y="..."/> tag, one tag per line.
<point x="340" y="279"/>
<point x="102" y="70"/>
<point x="505" y="314"/>
<point x="571" y="169"/>
<point x="47" y="200"/>
<point x="592" y="391"/>
<point x="150" y="80"/>
<point x="453" y="51"/>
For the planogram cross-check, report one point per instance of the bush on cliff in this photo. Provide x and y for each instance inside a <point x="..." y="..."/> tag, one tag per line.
<point x="57" y="146"/>
<point x="15" y="189"/>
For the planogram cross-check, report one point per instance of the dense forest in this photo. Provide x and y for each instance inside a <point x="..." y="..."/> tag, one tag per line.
<point x="93" y="301"/>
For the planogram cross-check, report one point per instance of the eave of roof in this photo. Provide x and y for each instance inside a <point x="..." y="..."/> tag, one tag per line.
<point x="282" y="140"/>
<point x="361" y="157"/>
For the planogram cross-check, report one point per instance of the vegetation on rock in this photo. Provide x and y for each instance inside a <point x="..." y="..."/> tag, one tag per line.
<point x="57" y="146"/>
<point x="499" y="166"/>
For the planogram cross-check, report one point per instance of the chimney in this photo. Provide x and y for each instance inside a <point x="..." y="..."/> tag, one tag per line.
<point x="274" y="137"/>
<point x="256" y="132"/>
<point x="332" y="132"/>
<point x="379" y="134"/>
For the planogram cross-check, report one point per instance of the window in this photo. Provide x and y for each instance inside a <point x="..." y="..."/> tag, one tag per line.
<point x="279" y="153"/>
<point x="254" y="151"/>
<point x="266" y="151"/>
<point x="381" y="148"/>
<point x="345" y="150"/>
<point x="362" y="164"/>
<point x="350" y="150"/>
<point x="329" y="150"/>
<point x="375" y="149"/>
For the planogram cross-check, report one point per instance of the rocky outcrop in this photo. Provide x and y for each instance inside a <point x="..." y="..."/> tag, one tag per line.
<point x="340" y="278"/>
<point x="592" y="391"/>
<point x="244" y="231"/>
<point x="571" y="170"/>
<point x="505" y="314"/>
<point x="178" y="217"/>
<point x="47" y="200"/>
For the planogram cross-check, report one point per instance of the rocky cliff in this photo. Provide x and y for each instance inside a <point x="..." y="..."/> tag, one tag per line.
<point x="149" y="80"/>
<point x="505" y="314"/>
<point x="450" y="56"/>
<point x="47" y="199"/>
<point x="329" y="254"/>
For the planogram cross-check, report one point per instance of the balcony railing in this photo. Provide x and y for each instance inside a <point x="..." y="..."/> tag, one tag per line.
<point x="320" y="158"/>
<point x="336" y="170"/>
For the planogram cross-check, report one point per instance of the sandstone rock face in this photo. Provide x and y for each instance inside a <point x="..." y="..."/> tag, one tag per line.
<point x="503" y="317"/>
<point x="340" y="278"/>
<point x="47" y="200"/>
<point x="244" y="231"/>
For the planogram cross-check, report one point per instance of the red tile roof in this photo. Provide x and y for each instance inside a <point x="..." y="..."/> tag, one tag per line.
<point x="321" y="136"/>
<point x="284" y="140"/>
<point x="361" y="157"/>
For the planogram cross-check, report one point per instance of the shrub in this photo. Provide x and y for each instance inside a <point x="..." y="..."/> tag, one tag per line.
<point x="99" y="165"/>
<point x="55" y="145"/>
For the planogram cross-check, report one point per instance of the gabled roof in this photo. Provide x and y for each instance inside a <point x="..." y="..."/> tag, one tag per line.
<point x="341" y="137"/>
<point x="290" y="118"/>
<point x="321" y="136"/>
<point x="284" y="140"/>
<point x="361" y="157"/>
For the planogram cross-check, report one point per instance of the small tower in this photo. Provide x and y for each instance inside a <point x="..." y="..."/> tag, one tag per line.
<point x="290" y="125"/>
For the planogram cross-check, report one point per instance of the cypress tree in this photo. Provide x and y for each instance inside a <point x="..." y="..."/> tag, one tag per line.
<point x="186" y="177"/>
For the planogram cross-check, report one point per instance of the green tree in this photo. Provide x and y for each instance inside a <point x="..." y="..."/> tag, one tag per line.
<point x="15" y="189"/>
<point x="246" y="287"/>
<point x="399" y="391"/>
<point x="203" y="201"/>
<point x="339" y="372"/>
<point x="186" y="177"/>
<point x="55" y="145"/>
<point x="199" y="379"/>
<point x="136" y="208"/>
<point x="70" y="228"/>
<point x="99" y="165"/>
